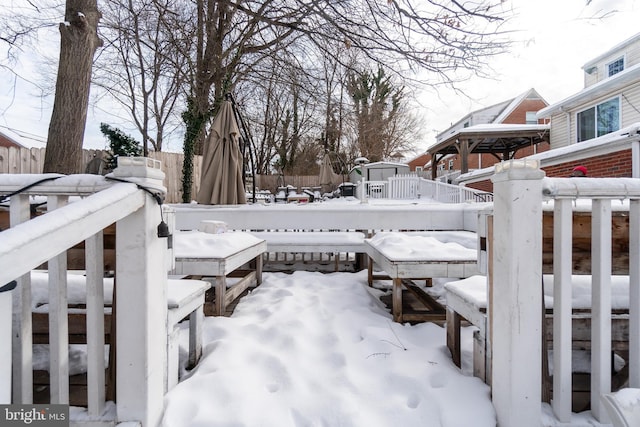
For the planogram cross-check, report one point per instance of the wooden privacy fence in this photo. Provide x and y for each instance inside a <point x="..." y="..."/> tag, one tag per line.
<point x="30" y="160"/>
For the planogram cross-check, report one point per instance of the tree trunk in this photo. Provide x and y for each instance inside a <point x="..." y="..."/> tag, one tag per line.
<point x="78" y="43"/>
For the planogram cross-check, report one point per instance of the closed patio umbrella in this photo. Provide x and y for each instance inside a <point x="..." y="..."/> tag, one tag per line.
<point x="328" y="178"/>
<point x="221" y="178"/>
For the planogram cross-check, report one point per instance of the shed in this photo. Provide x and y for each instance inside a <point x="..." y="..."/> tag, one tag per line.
<point x="378" y="171"/>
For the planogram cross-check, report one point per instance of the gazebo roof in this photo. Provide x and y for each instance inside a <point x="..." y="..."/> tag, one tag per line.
<point x="493" y="138"/>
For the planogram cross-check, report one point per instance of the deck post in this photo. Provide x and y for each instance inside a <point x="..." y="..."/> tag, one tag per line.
<point x="141" y="318"/>
<point x="516" y="323"/>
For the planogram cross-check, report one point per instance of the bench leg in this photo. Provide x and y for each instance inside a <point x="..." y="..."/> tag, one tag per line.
<point x="221" y="290"/>
<point x="173" y="345"/>
<point x="396" y="299"/>
<point x="259" y="266"/>
<point x="480" y="362"/>
<point x="195" y="337"/>
<point x="370" y="272"/>
<point x="453" y="336"/>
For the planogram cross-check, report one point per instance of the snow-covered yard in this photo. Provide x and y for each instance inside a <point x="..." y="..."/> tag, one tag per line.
<point x="313" y="349"/>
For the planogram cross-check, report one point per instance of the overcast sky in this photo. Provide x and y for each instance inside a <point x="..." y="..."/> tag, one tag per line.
<point x="554" y="39"/>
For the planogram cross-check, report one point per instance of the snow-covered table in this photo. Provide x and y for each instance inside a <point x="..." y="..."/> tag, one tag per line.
<point x="217" y="255"/>
<point x="421" y="255"/>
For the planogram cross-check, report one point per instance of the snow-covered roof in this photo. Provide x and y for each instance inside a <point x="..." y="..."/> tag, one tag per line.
<point x="609" y="85"/>
<point x="501" y="127"/>
<point x="375" y="164"/>
<point x="617" y="47"/>
<point x="519" y="134"/>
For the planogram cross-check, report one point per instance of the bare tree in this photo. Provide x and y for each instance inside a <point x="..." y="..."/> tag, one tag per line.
<point x="378" y="111"/>
<point x="78" y="44"/>
<point x="141" y="69"/>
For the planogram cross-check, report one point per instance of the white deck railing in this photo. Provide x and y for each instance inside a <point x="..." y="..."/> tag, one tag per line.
<point x="140" y="277"/>
<point x="516" y="316"/>
<point x="415" y="187"/>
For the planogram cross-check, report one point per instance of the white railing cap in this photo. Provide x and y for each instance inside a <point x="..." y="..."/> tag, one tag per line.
<point x="139" y="167"/>
<point x="597" y="188"/>
<point x="81" y="184"/>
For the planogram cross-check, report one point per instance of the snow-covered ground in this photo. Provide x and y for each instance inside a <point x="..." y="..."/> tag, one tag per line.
<point x="313" y="349"/>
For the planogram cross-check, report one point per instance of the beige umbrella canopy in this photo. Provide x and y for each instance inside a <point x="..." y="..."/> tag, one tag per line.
<point x="221" y="178"/>
<point x="328" y="178"/>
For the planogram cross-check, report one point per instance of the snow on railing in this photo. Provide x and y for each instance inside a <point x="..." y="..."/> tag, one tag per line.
<point x="46" y="238"/>
<point x="520" y="188"/>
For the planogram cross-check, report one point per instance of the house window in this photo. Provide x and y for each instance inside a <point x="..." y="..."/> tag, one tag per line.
<point x="441" y="167"/>
<point x="450" y="165"/>
<point x="418" y="168"/>
<point x="615" y="67"/>
<point x="599" y="120"/>
<point x="531" y="118"/>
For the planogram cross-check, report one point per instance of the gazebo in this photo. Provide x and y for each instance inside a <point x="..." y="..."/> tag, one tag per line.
<point x="501" y="140"/>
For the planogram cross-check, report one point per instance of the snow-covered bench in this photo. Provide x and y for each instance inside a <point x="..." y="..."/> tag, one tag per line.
<point x="467" y="299"/>
<point x="185" y="299"/>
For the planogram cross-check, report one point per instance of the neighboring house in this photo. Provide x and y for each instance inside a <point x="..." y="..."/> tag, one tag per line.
<point x="469" y="144"/>
<point x="418" y="163"/>
<point x="609" y="102"/>
<point x="597" y="127"/>
<point x="7" y="141"/>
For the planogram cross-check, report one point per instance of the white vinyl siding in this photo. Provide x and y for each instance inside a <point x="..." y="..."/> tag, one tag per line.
<point x="630" y="105"/>
<point x="558" y="134"/>
<point x="632" y="55"/>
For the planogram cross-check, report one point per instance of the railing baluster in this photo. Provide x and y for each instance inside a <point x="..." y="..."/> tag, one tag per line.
<point x="601" y="305"/>
<point x="562" y="343"/>
<point x="634" y="293"/>
<point x="58" y="320"/>
<point x="19" y="211"/>
<point x="94" y="257"/>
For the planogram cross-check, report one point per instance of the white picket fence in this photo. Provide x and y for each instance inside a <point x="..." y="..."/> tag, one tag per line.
<point x="415" y="187"/>
<point x="141" y="285"/>
<point x="519" y="190"/>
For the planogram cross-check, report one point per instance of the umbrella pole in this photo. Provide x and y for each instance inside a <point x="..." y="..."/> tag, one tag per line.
<point x="247" y="142"/>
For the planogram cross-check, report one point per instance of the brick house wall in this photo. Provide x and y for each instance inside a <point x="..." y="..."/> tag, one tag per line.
<point x="419" y="161"/>
<point x="615" y="165"/>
